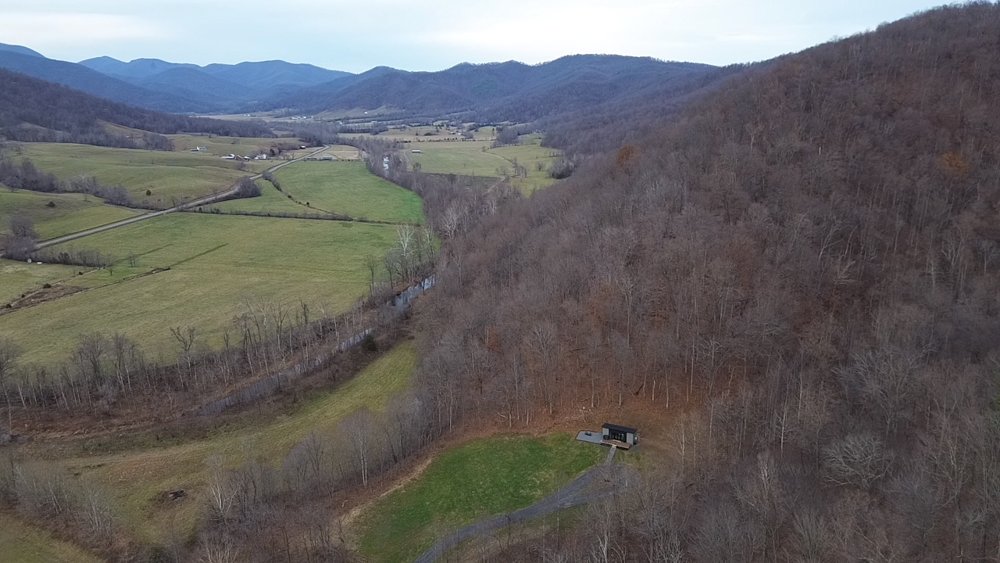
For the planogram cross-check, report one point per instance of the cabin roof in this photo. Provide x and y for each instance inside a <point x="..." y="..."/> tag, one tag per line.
<point x="618" y="427"/>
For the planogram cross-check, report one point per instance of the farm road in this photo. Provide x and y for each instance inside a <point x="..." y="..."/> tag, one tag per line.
<point x="188" y="205"/>
<point x="596" y="483"/>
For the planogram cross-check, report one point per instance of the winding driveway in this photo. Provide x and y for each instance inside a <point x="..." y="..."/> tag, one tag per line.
<point x="596" y="483"/>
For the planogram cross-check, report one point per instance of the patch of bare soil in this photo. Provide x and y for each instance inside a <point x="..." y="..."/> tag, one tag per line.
<point x="45" y="293"/>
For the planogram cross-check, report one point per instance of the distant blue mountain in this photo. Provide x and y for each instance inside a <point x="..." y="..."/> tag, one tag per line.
<point x="216" y="86"/>
<point x="92" y="82"/>
<point x="136" y="69"/>
<point x="19" y="49"/>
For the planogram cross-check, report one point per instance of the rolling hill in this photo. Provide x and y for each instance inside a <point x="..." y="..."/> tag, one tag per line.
<point x="91" y="82"/>
<point x="36" y="110"/>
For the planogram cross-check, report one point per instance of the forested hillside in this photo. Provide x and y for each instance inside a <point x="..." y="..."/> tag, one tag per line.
<point x="501" y="91"/>
<point x="802" y="271"/>
<point x="86" y="80"/>
<point x="35" y="110"/>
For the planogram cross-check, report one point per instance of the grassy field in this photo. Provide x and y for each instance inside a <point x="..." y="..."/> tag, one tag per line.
<point x="71" y="212"/>
<point x="215" y="262"/>
<point x="348" y="188"/>
<point x="270" y="201"/>
<point x="342" y="187"/>
<point x="342" y="152"/>
<point x="470" y="158"/>
<point x="477" y="158"/>
<point x="485" y="477"/>
<point x="141" y="477"/>
<point x="170" y="177"/>
<point x="21" y="543"/>
<point x="217" y="145"/>
<point x="534" y="157"/>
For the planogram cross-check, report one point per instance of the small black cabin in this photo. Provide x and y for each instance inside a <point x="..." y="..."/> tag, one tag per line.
<point x="619" y="433"/>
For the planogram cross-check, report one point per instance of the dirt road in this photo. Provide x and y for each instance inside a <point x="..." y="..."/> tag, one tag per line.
<point x="188" y="205"/>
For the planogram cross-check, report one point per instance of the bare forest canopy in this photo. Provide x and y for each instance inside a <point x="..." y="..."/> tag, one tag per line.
<point x="34" y="110"/>
<point x="805" y="264"/>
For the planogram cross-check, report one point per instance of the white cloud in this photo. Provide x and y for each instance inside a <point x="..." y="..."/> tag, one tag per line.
<point x="42" y="30"/>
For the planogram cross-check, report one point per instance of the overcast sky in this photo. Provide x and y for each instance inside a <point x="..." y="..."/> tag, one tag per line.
<point x="355" y="35"/>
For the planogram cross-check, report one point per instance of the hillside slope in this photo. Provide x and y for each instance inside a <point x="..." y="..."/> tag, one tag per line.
<point x="36" y="110"/>
<point x="90" y="81"/>
<point x="801" y="271"/>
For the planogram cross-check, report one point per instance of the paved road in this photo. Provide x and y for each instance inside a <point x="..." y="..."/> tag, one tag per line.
<point x="596" y="483"/>
<point x="188" y="205"/>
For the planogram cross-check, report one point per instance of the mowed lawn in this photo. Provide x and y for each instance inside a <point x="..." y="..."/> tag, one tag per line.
<point x="139" y="478"/>
<point x="69" y="213"/>
<point x="348" y="188"/>
<point x="23" y="543"/>
<point x="216" y="262"/>
<point x="485" y="477"/>
<point x="170" y="177"/>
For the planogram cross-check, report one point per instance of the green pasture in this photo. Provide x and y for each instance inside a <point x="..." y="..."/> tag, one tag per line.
<point x="169" y="177"/>
<point x="349" y="188"/>
<point x="485" y="477"/>
<point x="334" y="186"/>
<point x="198" y="269"/>
<point x="269" y="201"/>
<point x="22" y="543"/>
<point x="141" y="476"/>
<point x="68" y="213"/>
<point x="478" y="158"/>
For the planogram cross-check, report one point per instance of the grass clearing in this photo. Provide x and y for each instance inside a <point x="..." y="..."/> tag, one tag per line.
<point x="485" y="477"/>
<point x="215" y="262"/>
<point x="139" y="478"/>
<point x="170" y="177"/>
<point x="70" y="213"/>
<point x="23" y="543"/>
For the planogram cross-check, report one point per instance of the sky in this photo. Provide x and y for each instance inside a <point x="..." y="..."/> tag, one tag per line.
<point x="355" y="35"/>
